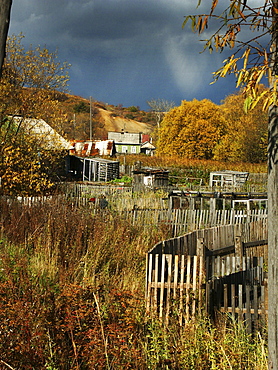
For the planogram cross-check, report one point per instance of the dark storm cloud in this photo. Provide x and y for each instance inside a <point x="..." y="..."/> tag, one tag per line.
<point x="122" y="51"/>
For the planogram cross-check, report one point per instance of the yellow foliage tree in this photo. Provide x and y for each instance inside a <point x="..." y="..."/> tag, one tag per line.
<point x="26" y="167"/>
<point x="192" y="130"/>
<point x="246" y="132"/>
<point x="31" y="84"/>
<point x="22" y="170"/>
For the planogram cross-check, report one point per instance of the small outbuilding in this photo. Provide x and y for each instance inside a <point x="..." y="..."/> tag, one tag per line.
<point x="150" y="178"/>
<point x="92" y="169"/>
<point x="147" y="148"/>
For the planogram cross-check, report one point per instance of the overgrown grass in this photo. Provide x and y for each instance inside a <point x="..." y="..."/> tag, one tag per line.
<point x="200" y="345"/>
<point x="72" y="297"/>
<point x="194" y="165"/>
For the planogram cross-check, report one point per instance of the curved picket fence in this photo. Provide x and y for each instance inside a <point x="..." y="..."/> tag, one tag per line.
<point x="220" y="268"/>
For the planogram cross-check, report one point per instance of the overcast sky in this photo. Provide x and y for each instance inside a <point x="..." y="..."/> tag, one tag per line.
<point x="124" y="51"/>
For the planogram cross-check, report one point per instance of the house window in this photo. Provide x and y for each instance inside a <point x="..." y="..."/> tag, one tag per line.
<point x="124" y="149"/>
<point x="133" y="149"/>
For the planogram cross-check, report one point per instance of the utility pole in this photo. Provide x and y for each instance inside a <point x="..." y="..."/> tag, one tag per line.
<point x="91" y="128"/>
<point x="74" y="124"/>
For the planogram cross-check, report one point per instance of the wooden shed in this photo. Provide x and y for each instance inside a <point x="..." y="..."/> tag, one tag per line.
<point x="92" y="169"/>
<point x="150" y="178"/>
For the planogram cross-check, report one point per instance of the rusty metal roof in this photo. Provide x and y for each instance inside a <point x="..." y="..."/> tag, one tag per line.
<point x="92" y="148"/>
<point x="150" y="171"/>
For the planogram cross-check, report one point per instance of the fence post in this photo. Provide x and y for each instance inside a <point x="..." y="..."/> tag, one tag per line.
<point x="239" y="249"/>
<point x="210" y="297"/>
<point x="200" y="251"/>
<point x="200" y="247"/>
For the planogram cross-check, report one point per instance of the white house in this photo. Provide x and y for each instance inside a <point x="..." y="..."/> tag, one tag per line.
<point x="46" y="136"/>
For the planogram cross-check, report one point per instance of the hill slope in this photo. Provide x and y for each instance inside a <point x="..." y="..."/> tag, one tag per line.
<point x="117" y="123"/>
<point x="104" y="118"/>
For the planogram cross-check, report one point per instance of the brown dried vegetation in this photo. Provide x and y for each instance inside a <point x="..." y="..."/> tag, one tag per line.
<point x="72" y="297"/>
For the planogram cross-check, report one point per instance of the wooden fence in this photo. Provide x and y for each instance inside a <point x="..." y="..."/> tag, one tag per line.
<point x="195" y="271"/>
<point x="173" y="286"/>
<point x="238" y="286"/>
<point x="153" y="211"/>
<point x="213" y="238"/>
<point x="182" y="221"/>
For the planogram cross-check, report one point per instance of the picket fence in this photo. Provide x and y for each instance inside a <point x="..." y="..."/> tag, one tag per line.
<point x="173" y="286"/>
<point x="238" y="286"/>
<point x="121" y="204"/>
<point x="187" y="274"/>
<point x="182" y="221"/>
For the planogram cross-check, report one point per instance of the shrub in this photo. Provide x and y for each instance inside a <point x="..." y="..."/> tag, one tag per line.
<point x="133" y="109"/>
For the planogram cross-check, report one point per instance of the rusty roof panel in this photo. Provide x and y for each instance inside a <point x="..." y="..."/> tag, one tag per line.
<point x="93" y="148"/>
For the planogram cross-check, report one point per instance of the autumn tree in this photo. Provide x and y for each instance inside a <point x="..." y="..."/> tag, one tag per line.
<point x="245" y="137"/>
<point x="255" y="57"/>
<point x="31" y="84"/>
<point x="32" y="81"/>
<point x="27" y="168"/>
<point x="191" y="130"/>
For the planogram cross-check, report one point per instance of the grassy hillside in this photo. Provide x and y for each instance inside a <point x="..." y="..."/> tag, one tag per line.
<point x="104" y="118"/>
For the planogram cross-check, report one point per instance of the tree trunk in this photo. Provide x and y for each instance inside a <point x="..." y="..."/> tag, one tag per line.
<point x="273" y="204"/>
<point x="5" y="11"/>
<point x="273" y="239"/>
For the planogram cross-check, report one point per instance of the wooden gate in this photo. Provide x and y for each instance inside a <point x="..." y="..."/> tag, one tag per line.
<point x="174" y="286"/>
<point x="178" y="287"/>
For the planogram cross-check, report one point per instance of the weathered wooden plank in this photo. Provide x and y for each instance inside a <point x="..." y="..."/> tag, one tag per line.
<point x="240" y="304"/>
<point x="238" y="263"/>
<point x="223" y="266"/>
<point x="176" y="273"/>
<point x="169" y="279"/>
<point x="233" y="298"/>
<point x="181" y="288"/>
<point x="162" y="286"/>
<point x="256" y="308"/>
<point x="149" y="261"/>
<point x="188" y="274"/>
<point x="225" y="291"/>
<point x="217" y="272"/>
<point x="200" y="283"/>
<point x="228" y="266"/>
<point x="248" y="310"/>
<point x="156" y="282"/>
<point x="208" y="296"/>
<point x="244" y="310"/>
<point x="194" y="285"/>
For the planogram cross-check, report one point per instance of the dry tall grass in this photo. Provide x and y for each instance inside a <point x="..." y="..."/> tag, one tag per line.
<point x="72" y="297"/>
<point x="171" y="161"/>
